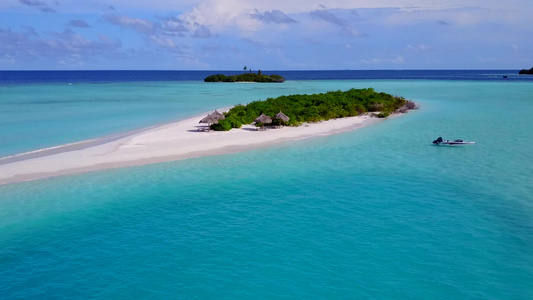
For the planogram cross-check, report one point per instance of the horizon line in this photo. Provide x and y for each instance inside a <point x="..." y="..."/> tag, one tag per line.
<point x="233" y="70"/>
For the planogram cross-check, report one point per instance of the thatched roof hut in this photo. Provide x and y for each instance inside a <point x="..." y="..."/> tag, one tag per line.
<point x="213" y="118"/>
<point x="281" y="116"/>
<point x="209" y="119"/>
<point x="219" y="116"/>
<point x="263" y="119"/>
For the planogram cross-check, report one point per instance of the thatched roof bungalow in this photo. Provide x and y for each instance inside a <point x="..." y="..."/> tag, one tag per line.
<point x="209" y="119"/>
<point x="281" y="116"/>
<point x="263" y="119"/>
<point x="218" y="115"/>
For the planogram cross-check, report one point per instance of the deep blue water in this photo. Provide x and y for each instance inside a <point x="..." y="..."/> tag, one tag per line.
<point x="375" y="213"/>
<point x="51" y="77"/>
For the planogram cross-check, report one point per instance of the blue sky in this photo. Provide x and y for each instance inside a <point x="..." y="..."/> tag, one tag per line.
<point x="268" y="35"/>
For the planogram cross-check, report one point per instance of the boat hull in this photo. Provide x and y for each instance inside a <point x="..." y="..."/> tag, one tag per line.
<point x="439" y="141"/>
<point x="455" y="143"/>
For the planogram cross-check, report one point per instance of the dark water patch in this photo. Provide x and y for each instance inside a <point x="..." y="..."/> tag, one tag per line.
<point x="99" y="77"/>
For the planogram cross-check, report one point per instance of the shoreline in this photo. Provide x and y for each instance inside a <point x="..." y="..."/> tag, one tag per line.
<point x="161" y="143"/>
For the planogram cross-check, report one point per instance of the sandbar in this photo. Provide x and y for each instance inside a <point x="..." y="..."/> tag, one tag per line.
<point x="167" y="142"/>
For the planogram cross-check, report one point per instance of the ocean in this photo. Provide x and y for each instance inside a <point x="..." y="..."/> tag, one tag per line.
<point x="375" y="213"/>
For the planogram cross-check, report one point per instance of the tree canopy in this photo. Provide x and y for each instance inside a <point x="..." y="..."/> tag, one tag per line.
<point x="527" y="72"/>
<point x="249" y="77"/>
<point x="314" y="107"/>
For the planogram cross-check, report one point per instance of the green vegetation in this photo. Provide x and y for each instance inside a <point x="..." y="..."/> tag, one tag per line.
<point x="249" y="77"/>
<point x="316" y="107"/>
<point x="527" y="72"/>
<point x="226" y="124"/>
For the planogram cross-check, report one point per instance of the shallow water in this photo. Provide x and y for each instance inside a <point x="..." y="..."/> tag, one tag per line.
<point x="374" y="213"/>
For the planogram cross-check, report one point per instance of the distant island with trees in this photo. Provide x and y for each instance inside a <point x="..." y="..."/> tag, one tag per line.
<point x="526" y="72"/>
<point x="245" y="77"/>
<point x="314" y="108"/>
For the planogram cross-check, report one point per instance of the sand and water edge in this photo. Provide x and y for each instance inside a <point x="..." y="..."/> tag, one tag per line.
<point x="178" y="140"/>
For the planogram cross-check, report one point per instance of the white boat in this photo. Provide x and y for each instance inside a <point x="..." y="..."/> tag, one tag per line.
<point x="440" y="141"/>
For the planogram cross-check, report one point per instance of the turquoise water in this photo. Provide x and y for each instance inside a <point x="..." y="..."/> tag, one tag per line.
<point x="376" y="213"/>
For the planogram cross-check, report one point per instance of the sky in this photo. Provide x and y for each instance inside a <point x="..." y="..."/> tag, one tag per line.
<point x="265" y="34"/>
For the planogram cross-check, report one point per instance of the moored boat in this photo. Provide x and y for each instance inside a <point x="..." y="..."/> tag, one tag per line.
<point x="458" y="142"/>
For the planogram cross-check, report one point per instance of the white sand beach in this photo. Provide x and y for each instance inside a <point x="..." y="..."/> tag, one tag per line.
<point x="172" y="141"/>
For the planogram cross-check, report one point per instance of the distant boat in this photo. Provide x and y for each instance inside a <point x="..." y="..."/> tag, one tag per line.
<point x="440" y="141"/>
<point x="504" y="76"/>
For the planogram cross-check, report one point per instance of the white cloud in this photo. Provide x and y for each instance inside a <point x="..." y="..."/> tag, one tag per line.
<point x="287" y="6"/>
<point x="41" y="5"/>
<point x="325" y="15"/>
<point x="273" y="16"/>
<point x="173" y="26"/>
<point x="297" y="31"/>
<point x="297" y="6"/>
<point x="218" y="16"/>
<point x="202" y="32"/>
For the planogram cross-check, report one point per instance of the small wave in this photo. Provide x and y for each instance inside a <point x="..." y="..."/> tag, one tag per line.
<point x="47" y="149"/>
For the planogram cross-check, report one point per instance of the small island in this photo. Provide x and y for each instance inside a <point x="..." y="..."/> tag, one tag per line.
<point x="298" y="109"/>
<point x="245" y="77"/>
<point x="526" y="72"/>
<point x="182" y="139"/>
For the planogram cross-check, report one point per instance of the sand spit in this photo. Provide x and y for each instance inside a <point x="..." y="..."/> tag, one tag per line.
<point x="167" y="142"/>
